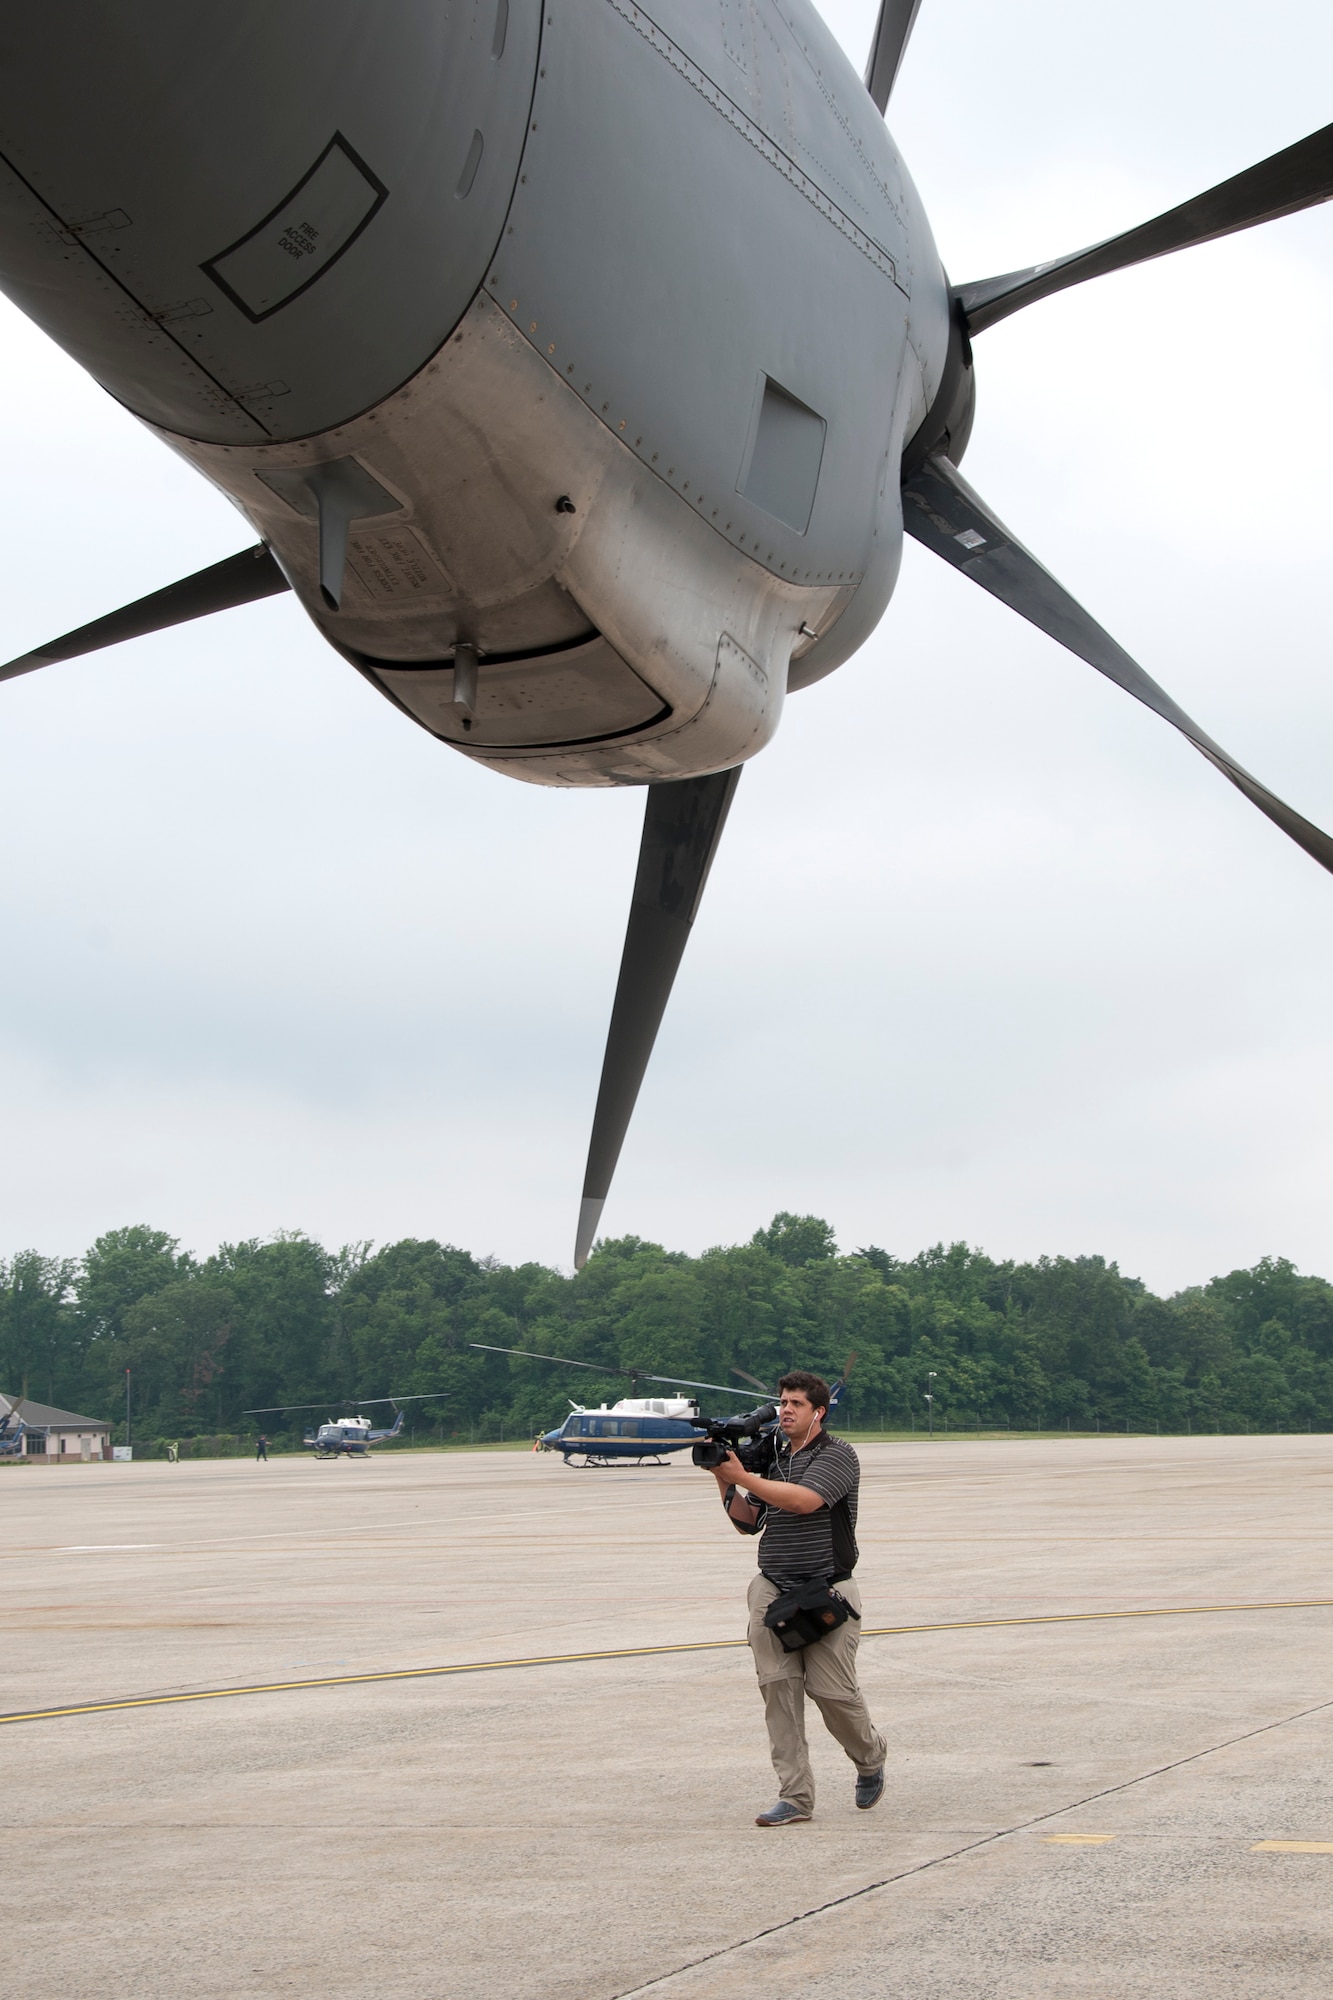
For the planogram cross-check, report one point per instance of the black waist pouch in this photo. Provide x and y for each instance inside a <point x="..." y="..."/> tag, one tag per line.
<point x="807" y="1613"/>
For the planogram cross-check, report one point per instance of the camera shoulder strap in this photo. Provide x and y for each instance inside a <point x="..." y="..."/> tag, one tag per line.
<point x="845" y="1552"/>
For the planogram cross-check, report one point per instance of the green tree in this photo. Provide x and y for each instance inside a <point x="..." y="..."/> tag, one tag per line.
<point x="175" y="1343"/>
<point x="122" y="1267"/>
<point x="797" y="1239"/>
<point x="41" y="1344"/>
<point x="1059" y="1339"/>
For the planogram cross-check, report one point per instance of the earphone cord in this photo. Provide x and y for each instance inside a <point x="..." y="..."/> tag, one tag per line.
<point x="792" y="1450"/>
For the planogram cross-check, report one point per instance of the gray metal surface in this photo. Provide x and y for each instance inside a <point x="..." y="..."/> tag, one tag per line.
<point x="582" y="694"/>
<point x="524" y="528"/>
<point x="249" y="221"/>
<point x="780" y="470"/>
<point x="734" y="223"/>
<point x="333" y="493"/>
<point x="685" y="444"/>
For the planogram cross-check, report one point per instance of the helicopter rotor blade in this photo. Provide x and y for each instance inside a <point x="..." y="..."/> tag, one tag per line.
<point x="595" y="1366"/>
<point x="346" y="1403"/>
<point x="753" y="1381"/>
<point x="278" y="1409"/>
<point x="682" y="824"/>
<point x="944" y="513"/>
<point x="1301" y="176"/>
<point x="680" y="1383"/>
<point x="239" y="579"/>
<point x="896" y="20"/>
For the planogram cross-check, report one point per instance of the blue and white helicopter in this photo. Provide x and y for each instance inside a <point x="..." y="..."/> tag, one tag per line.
<point x="348" y="1436"/>
<point x="638" y="1430"/>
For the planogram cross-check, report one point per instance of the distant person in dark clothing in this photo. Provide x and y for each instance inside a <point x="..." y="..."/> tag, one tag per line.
<point x="261" y="1449"/>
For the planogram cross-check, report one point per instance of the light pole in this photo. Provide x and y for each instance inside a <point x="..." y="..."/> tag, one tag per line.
<point x="930" y="1401"/>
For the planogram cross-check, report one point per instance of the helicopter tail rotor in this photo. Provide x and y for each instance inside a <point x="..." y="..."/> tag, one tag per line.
<point x="835" y="1392"/>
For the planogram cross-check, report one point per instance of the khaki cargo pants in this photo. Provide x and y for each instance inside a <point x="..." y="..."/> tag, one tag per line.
<point x="826" y="1672"/>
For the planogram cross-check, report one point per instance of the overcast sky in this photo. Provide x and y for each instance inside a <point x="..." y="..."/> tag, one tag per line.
<point x="989" y="952"/>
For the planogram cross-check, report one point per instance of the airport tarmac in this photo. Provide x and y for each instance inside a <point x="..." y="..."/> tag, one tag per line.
<point x="1087" y="1805"/>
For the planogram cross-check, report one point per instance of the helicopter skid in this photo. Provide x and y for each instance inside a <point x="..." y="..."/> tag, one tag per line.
<point x="591" y="1462"/>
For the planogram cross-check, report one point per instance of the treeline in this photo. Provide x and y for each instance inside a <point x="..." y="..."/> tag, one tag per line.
<point x="1060" y="1341"/>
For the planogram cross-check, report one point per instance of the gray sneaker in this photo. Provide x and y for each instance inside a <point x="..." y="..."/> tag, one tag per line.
<point x="869" y="1791"/>
<point x="782" y="1814"/>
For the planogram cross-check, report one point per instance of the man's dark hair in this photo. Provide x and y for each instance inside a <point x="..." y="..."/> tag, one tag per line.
<point x="813" y="1386"/>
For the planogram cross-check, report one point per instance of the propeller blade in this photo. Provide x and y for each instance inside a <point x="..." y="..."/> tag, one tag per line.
<point x="239" y="579"/>
<point x="942" y="511"/>
<point x="682" y="825"/>
<point x="896" y="20"/>
<point x="1299" y="177"/>
<point x="753" y="1381"/>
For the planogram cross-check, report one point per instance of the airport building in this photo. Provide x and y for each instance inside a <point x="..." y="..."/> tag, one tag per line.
<point x="51" y="1434"/>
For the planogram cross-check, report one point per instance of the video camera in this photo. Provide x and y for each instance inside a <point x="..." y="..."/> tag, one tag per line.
<point x="728" y="1434"/>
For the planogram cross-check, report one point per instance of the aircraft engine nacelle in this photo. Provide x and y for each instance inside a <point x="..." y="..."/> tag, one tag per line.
<point x="564" y="355"/>
<point x="250" y="222"/>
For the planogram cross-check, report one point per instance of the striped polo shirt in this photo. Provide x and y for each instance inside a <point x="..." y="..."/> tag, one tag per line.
<point x="794" y="1547"/>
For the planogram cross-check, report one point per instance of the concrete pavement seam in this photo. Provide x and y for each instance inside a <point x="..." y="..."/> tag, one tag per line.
<point x="969" y="1847"/>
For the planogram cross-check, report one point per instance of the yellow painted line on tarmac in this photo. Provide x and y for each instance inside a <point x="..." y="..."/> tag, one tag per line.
<point x="1091" y="1617"/>
<point x="634" y="1653"/>
<point x="359" y="1680"/>
<point x="1292" y="1847"/>
<point x="1077" y="1839"/>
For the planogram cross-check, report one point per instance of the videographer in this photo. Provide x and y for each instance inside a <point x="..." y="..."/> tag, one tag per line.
<point x="802" y="1504"/>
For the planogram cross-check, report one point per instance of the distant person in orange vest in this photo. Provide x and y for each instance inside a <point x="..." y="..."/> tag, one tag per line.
<point x="261" y="1449"/>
